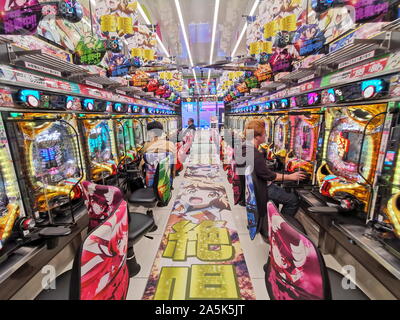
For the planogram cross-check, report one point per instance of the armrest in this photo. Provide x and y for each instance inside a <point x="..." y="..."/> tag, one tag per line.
<point x="323" y="210"/>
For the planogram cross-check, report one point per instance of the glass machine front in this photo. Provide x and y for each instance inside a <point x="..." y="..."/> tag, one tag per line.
<point x="101" y="157"/>
<point x="268" y="136"/>
<point x="126" y="149"/>
<point x="50" y="155"/>
<point x="11" y="208"/>
<point x="304" y="142"/>
<point x="139" y="134"/>
<point x="281" y="138"/>
<point x="351" y="149"/>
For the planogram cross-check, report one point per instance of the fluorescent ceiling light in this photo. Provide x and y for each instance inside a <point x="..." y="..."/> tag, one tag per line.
<point x="214" y="30"/>
<point x="253" y="9"/>
<point x="146" y="19"/>
<point x="178" y="9"/>
<point x="195" y="79"/>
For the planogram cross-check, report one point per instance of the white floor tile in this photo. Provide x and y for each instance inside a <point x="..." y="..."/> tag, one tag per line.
<point x="260" y="289"/>
<point x="136" y="288"/>
<point x="255" y="253"/>
<point x="146" y="250"/>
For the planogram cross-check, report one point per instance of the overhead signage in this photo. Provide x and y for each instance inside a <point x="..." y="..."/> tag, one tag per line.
<point x="357" y="59"/>
<point x="93" y="84"/>
<point x="12" y="75"/>
<point x="373" y="67"/>
<point x="42" y="69"/>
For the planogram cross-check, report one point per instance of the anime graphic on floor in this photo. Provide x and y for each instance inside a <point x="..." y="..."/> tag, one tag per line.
<point x="200" y="256"/>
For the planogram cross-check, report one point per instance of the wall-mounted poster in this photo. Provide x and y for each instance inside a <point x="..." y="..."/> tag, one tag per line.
<point x="63" y="32"/>
<point x="336" y="21"/>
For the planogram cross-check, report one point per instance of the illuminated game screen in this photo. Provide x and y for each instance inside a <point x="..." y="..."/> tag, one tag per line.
<point x="3" y="196"/>
<point x="281" y="131"/>
<point x="304" y="141"/>
<point x="137" y="127"/>
<point x="344" y="153"/>
<point x="100" y="143"/>
<point x="125" y="138"/>
<point x="355" y="140"/>
<point x="54" y="156"/>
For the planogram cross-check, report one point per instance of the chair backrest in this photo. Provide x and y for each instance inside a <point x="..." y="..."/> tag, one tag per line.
<point x="101" y="201"/>
<point x="151" y="160"/>
<point x="256" y="200"/>
<point x="295" y="269"/>
<point x="100" y="271"/>
<point x="163" y="181"/>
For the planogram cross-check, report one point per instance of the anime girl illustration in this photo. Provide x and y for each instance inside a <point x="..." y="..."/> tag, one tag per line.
<point x="200" y="201"/>
<point x="103" y="263"/>
<point x="336" y="22"/>
<point x="309" y="39"/>
<point x="203" y="172"/>
<point x="17" y="4"/>
<point x="294" y="270"/>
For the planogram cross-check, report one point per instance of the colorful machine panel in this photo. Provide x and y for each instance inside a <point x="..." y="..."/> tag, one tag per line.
<point x="51" y="160"/>
<point x="99" y="137"/>
<point x="351" y="151"/>
<point x="388" y="209"/>
<point x="305" y="131"/>
<point x="126" y="149"/>
<point x="281" y="136"/>
<point x="10" y="199"/>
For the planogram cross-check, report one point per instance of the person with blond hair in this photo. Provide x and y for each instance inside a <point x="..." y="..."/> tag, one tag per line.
<point x="255" y="135"/>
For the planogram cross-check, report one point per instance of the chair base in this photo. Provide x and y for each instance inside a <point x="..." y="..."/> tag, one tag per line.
<point x="133" y="266"/>
<point x="150" y="214"/>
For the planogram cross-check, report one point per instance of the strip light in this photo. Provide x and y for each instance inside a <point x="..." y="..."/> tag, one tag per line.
<point x="195" y="79"/>
<point x="146" y="19"/>
<point x="214" y="31"/>
<point x="178" y="9"/>
<point x="253" y="9"/>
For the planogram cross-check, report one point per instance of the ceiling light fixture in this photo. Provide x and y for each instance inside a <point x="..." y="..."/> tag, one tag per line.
<point x="178" y="9"/>
<point x="146" y="19"/>
<point x="214" y="32"/>
<point x="253" y="9"/>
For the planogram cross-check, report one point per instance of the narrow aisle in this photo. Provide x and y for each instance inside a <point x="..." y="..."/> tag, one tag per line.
<point x="200" y="256"/>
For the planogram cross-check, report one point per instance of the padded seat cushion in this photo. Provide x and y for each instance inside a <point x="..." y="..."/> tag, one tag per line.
<point x="61" y="291"/>
<point x="143" y="196"/>
<point x="139" y="225"/>
<point x="338" y="292"/>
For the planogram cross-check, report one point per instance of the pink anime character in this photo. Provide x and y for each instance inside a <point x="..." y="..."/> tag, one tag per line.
<point x="101" y="201"/>
<point x="294" y="267"/>
<point x="104" y="273"/>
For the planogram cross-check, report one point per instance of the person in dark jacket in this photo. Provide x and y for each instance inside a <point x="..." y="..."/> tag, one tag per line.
<point x="191" y="125"/>
<point x="255" y="135"/>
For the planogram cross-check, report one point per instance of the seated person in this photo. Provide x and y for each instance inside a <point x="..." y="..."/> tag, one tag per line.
<point x="158" y="143"/>
<point x="255" y="135"/>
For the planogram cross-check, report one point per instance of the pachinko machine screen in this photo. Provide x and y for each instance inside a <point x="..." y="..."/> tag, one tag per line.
<point x="351" y="152"/>
<point x="305" y="137"/>
<point x="100" y="149"/>
<point x="268" y="130"/>
<point x="50" y="153"/>
<point x="138" y="129"/>
<point x="125" y="139"/>
<point x="281" y="133"/>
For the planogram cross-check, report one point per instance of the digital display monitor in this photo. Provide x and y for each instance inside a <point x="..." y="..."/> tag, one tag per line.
<point x="354" y="140"/>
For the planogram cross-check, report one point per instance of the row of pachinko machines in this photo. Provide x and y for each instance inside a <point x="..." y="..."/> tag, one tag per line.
<point x="349" y="150"/>
<point x="45" y="154"/>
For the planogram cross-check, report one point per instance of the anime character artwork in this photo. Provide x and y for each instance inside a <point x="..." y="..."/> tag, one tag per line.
<point x="293" y="270"/>
<point x="104" y="273"/>
<point x="200" y="201"/>
<point x="202" y="172"/>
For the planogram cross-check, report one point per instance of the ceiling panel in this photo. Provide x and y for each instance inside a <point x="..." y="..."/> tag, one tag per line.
<point x="198" y="17"/>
